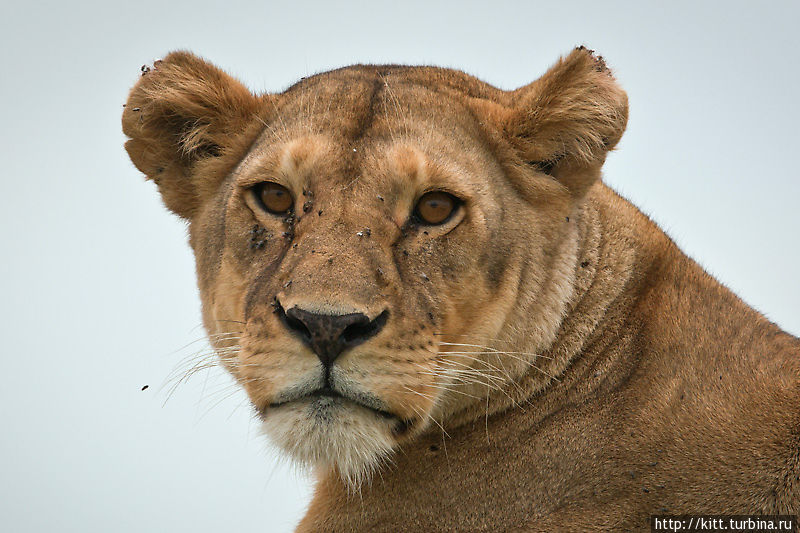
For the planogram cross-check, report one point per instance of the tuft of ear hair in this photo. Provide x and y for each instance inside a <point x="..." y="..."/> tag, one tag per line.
<point x="182" y="113"/>
<point x="565" y="122"/>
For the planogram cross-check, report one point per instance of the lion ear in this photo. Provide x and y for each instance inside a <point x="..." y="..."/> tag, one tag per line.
<point x="181" y="113"/>
<point x="565" y="122"/>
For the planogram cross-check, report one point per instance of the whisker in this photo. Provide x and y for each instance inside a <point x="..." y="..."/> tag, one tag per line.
<point x="468" y="358"/>
<point x="482" y="347"/>
<point x="505" y="352"/>
<point x="492" y="350"/>
<point x="449" y="389"/>
<point x="497" y="353"/>
<point x="514" y="356"/>
<point x="429" y="417"/>
<point x="451" y="371"/>
<point x="217" y="336"/>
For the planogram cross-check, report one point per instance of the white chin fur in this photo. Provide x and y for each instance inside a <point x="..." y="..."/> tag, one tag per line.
<point x="331" y="432"/>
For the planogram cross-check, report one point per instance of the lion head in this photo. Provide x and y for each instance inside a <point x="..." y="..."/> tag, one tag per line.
<point x="379" y="249"/>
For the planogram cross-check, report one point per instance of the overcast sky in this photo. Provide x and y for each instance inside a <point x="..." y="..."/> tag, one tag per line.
<point x="99" y="295"/>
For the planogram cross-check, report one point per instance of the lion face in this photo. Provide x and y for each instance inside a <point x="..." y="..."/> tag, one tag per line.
<point x="364" y="238"/>
<point x="346" y="291"/>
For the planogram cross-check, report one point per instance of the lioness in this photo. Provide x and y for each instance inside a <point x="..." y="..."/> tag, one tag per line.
<point x="431" y="298"/>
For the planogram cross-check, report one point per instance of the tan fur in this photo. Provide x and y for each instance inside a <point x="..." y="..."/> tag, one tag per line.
<point x="551" y="360"/>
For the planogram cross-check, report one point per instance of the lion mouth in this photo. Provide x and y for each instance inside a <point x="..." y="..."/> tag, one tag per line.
<point x="367" y="402"/>
<point x="328" y="392"/>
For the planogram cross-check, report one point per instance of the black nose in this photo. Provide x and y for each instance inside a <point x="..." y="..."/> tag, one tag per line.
<point x="330" y="335"/>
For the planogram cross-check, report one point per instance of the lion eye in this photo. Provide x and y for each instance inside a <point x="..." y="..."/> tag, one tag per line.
<point x="275" y="198"/>
<point x="435" y="207"/>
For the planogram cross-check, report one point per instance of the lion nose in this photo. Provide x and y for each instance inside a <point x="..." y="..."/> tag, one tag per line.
<point x="330" y="335"/>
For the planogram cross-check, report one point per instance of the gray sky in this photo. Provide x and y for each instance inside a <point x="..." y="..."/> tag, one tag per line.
<point x="98" y="281"/>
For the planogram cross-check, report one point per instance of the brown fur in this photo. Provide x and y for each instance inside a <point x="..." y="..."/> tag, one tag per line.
<point x="551" y="359"/>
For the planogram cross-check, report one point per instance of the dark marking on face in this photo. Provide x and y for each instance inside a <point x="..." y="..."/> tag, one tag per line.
<point x="402" y="427"/>
<point x="259" y="237"/>
<point x="364" y="121"/>
<point x="496" y="269"/>
<point x="256" y="290"/>
<point x="361" y="97"/>
<point x="209" y="251"/>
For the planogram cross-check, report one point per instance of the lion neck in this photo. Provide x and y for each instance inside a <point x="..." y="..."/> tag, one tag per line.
<point x="584" y="303"/>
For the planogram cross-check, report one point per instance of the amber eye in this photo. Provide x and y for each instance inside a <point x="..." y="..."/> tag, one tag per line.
<point x="275" y="198"/>
<point x="435" y="207"/>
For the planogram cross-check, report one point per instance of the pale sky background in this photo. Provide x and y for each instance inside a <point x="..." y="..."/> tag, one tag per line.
<point x="98" y="286"/>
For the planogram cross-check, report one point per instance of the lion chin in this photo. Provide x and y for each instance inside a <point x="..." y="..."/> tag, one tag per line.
<point x="334" y="433"/>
